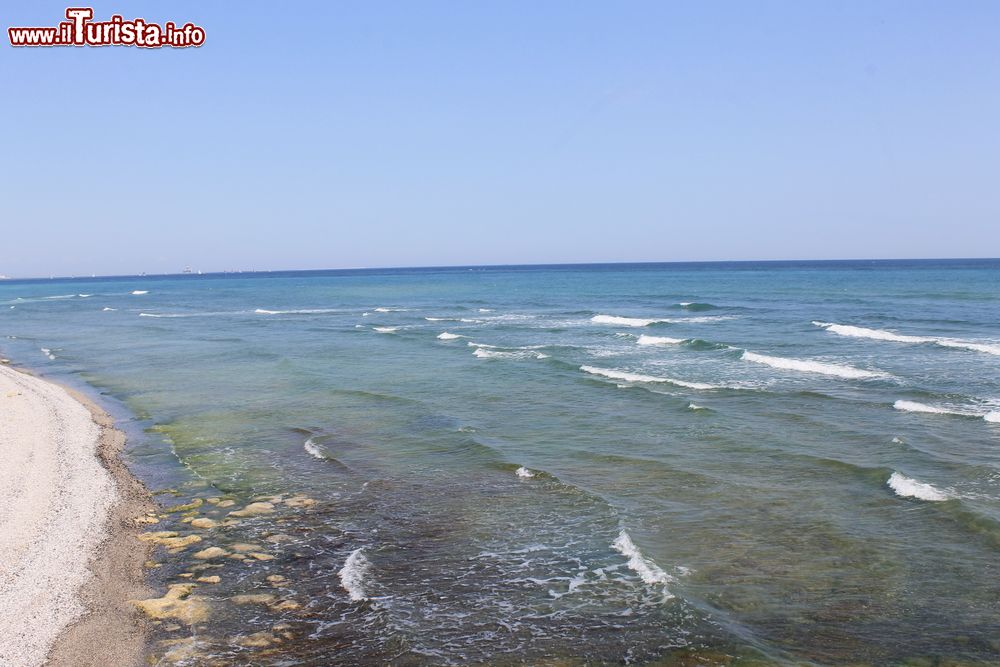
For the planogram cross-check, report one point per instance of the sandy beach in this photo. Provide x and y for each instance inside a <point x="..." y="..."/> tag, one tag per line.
<point x="69" y="558"/>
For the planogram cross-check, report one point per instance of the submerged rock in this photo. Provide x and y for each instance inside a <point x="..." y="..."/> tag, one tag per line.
<point x="214" y="579"/>
<point x="210" y="552"/>
<point x="169" y="539"/>
<point x="256" y="640"/>
<point x="261" y="556"/>
<point x="300" y="501"/>
<point x="203" y="523"/>
<point x="253" y="509"/>
<point x="194" y="504"/>
<point x="178" y="603"/>
<point x="286" y="605"/>
<point x="253" y="598"/>
<point x="181" y="651"/>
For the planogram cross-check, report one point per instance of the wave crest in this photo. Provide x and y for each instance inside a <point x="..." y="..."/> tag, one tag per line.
<point x="809" y="366"/>
<point x="907" y="487"/>
<point x="625" y="376"/>
<point x="645" y="567"/>
<point x="880" y="334"/>
<point x="352" y="575"/>
<point x="658" y="340"/>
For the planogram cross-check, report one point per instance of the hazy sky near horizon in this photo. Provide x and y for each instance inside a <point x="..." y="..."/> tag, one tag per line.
<point x="347" y="134"/>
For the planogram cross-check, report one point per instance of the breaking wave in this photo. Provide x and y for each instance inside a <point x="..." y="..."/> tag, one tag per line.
<point x="645" y="567"/>
<point x="352" y="575"/>
<point x="658" y="340"/>
<point x="625" y="376"/>
<point x="444" y="335"/>
<point x="808" y="366"/>
<point x="306" y="311"/>
<point x="880" y="334"/>
<point x="314" y="449"/>
<point x="645" y="322"/>
<point x="491" y="352"/>
<point x="906" y="487"/>
<point x="913" y="406"/>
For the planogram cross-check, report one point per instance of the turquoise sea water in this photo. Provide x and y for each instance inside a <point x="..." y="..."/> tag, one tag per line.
<point x="791" y="463"/>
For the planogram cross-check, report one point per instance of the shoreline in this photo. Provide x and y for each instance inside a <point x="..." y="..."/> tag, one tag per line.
<point x="73" y="559"/>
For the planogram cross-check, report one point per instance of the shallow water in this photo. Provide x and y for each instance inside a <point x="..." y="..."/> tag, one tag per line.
<point x="785" y="462"/>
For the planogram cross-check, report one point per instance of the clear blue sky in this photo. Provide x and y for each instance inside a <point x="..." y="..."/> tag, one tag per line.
<point x="336" y="134"/>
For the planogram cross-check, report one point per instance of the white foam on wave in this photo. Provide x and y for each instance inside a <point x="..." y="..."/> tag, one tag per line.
<point x="913" y="406"/>
<point x="85" y="296"/>
<point x="880" y="334"/>
<point x="48" y="353"/>
<point x="352" y="575"/>
<point x="444" y="335"/>
<point x="809" y="366"/>
<point x="108" y="309"/>
<point x="314" y="449"/>
<point x="692" y="406"/>
<point x="623" y="321"/>
<point x="524" y="473"/>
<point x="386" y="329"/>
<point x="969" y="345"/>
<point x="658" y="340"/>
<point x="874" y="334"/>
<point x="907" y="487"/>
<point x="701" y="319"/>
<point x="509" y="347"/>
<point x="139" y="292"/>
<point x="485" y="310"/>
<point x="638" y="377"/>
<point x="645" y="322"/>
<point x="490" y="352"/>
<point x="381" y="309"/>
<point x="60" y="296"/>
<point x="303" y="311"/>
<point x="646" y="568"/>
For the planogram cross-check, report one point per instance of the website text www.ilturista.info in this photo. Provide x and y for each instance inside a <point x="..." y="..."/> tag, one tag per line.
<point x="81" y="30"/>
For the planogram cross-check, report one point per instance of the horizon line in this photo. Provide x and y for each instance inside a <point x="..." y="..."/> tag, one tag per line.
<point x="432" y="267"/>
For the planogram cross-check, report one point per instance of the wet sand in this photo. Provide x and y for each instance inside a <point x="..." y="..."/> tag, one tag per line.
<point x="70" y="558"/>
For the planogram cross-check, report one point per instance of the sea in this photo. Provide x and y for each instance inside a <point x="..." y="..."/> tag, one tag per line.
<point x="694" y="463"/>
